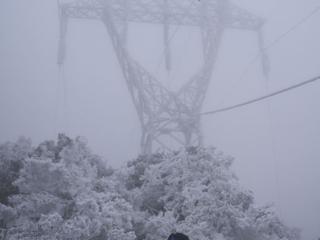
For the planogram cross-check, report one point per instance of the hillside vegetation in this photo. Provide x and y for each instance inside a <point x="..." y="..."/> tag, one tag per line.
<point x="60" y="190"/>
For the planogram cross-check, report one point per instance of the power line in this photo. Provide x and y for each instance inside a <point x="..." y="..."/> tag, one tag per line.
<point x="280" y="38"/>
<point x="255" y="100"/>
<point x="294" y="27"/>
<point x="274" y="42"/>
<point x="273" y="150"/>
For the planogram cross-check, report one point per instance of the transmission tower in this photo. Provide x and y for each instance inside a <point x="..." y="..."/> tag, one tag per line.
<point x="163" y="113"/>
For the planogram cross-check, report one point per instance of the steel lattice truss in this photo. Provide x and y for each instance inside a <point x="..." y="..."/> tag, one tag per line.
<point x="162" y="112"/>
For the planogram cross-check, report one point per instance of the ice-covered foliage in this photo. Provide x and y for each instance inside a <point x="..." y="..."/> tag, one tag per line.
<point x="12" y="156"/>
<point x="195" y="192"/>
<point x="66" y="192"/>
<point x="60" y="190"/>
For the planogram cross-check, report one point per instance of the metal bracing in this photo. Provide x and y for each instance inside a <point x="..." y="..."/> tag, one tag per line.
<point x="162" y="112"/>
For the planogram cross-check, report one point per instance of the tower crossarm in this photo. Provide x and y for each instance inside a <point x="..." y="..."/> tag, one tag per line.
<point x="240" y="18"/>
<point x="83" y="9"/>
<point x="142" y="11"/>
<point x="179" y="12"/>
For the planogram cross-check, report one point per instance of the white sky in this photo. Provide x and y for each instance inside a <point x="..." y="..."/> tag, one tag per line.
<point x="276" y="152"/>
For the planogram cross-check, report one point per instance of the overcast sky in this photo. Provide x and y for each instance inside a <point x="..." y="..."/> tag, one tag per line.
<point x="275" y="143"/>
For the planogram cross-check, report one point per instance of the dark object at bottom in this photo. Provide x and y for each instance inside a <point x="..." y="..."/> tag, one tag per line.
<point x="178" y="236"/>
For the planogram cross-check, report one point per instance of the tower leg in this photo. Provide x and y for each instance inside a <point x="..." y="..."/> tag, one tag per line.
<point x="146" y="143"/>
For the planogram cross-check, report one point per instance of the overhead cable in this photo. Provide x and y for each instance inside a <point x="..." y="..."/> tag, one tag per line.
<point x="280" y="38"/>
<point x="255" y="100"/>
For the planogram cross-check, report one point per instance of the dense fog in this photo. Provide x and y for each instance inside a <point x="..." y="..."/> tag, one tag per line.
<point x="274" y="143"/>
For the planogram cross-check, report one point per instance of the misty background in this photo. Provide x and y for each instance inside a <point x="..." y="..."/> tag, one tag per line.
<point x="275" y="143"/>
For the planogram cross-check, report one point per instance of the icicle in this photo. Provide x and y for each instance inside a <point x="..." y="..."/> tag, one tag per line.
<point x="62" y="40"/>
<point x="166" y="30"/>
<point x="264" y="58"/>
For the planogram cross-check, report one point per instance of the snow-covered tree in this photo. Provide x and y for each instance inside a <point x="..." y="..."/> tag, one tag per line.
<point x="66" y="192"/>
<point x="195" y="192"/>
<point x="12" y="156"/>
<point x="59" y="190"/>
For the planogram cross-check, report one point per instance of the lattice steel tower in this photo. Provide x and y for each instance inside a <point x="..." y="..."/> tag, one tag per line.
<point x="162" y="112"/>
